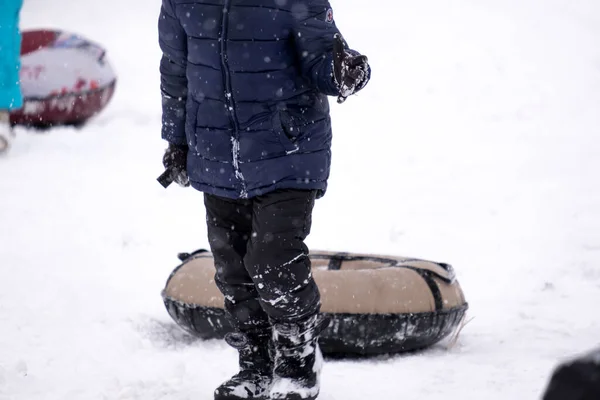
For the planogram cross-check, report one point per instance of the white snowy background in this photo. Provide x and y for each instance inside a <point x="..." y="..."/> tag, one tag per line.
<point x="476" y="143"/>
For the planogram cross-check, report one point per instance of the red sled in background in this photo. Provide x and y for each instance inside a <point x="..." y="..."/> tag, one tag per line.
<point x="65" y="79"/>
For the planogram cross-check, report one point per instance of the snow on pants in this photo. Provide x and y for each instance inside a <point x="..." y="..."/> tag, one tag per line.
<point x="262" y="264"/>
<point x="10" y="48"/>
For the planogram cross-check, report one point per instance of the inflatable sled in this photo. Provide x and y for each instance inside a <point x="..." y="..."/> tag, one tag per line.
<point x="65" y="79"/>
<point x="377" y="304"/>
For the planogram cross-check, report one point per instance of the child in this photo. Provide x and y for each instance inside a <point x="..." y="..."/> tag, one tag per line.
<point x="245" y="112"/>
<point x="10" y="49"/>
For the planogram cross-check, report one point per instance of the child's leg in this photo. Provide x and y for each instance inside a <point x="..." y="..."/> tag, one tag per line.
<point x="278" y="261"/>
<point x="229" y="229"/>
<point x="277" y="257"/>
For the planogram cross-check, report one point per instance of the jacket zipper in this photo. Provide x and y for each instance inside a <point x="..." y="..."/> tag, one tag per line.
<point x="235" y="139"/>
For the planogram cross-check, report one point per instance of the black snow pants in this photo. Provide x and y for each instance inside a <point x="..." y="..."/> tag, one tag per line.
<point x="262" y="264"/>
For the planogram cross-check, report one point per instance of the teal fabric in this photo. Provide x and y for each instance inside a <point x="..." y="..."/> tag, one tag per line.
<point x="10" y="48"/>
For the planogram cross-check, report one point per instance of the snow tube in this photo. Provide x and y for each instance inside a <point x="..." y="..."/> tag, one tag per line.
<point x="65" y="79"/>
<point x="377" y="304"/>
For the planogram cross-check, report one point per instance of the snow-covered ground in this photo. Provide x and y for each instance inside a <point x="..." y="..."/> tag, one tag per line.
<point x="476" y="143"/>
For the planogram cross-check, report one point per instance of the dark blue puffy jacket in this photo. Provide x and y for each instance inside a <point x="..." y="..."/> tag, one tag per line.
<point x="245" y="85"/>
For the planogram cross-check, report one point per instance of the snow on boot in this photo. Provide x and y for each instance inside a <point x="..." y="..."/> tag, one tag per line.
<point x="298" y="359"/>
<point x="254" y="380"/>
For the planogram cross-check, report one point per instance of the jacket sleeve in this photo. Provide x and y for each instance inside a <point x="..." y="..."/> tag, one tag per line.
<point x="314" y="36"/>
<point x="173" y="81"/>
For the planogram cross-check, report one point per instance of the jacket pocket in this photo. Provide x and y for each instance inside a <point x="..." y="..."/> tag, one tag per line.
<point x="285" y="133"/>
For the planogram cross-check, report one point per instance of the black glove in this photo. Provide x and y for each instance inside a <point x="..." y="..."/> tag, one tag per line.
<point x="350" y="71"/>
<point x="175" y="162"/>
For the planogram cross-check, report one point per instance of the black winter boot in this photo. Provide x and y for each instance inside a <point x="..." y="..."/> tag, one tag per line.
<point x="298" y="359"/>
<point x="254" y="380"/>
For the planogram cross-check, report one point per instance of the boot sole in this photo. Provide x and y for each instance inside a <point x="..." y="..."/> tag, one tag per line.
<point x="233" y="397"/>
<point x="295" y="396"/>
<point x="244" y="396"/>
